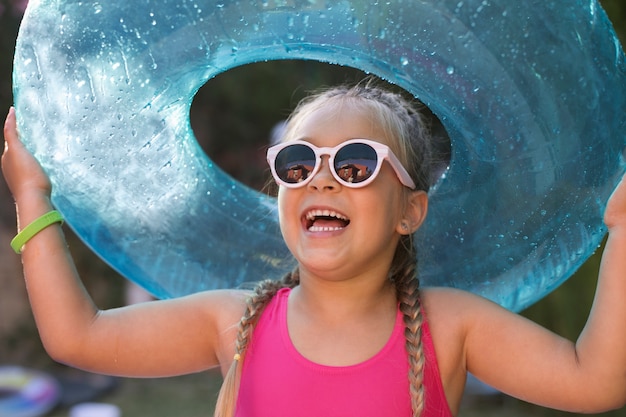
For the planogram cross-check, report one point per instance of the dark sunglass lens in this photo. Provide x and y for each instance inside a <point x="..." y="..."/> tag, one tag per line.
<point x="355" y="162"/>
<point x="295" y="163"/>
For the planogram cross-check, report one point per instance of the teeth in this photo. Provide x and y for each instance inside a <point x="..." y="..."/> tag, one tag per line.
<point x="311" y="215"/>
<point x="324" y="229"/>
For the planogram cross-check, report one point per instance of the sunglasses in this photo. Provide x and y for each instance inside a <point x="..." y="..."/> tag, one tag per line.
<point x="354" y="163"/>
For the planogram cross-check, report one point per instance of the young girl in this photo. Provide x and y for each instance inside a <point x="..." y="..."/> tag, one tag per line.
<point x="348" y="332"/>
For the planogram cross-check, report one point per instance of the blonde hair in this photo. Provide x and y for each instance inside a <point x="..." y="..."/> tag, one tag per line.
<point x="408" y="137"/>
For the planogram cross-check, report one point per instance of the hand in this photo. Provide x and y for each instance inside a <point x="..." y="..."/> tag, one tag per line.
<point x="615" y="213"/>
<point x="21" y="170"/>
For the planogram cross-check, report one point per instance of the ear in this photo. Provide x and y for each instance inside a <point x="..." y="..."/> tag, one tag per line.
<point x="414" y="212"/>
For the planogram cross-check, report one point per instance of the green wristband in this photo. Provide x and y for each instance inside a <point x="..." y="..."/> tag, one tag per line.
<point x="35" y="227"/>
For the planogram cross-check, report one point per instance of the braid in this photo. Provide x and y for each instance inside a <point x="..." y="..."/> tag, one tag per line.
<point x="255" y="304"/>
<point x="407" y="289"/>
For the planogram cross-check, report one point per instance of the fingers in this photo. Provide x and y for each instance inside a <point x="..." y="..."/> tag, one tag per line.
<point x="11" y="137"/>
<point x="10" y="132"/>
<point x="8" y="126"/>
<point x="10" y="129"/>
<point x="21" y="170"/>
<point x="615" y="213"/>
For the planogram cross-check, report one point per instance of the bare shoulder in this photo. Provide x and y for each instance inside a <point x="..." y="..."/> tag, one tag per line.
<point x="223" y="309"/>
<point x="451" y="314"/>
<point x="230" y="301"/>
<point x="441" y="303"/>
<point x="456" y="313"/>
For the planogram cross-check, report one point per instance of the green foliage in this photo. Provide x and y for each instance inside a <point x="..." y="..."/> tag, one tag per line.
<point x="616" y="10"/>
<point x="9" y="23"/>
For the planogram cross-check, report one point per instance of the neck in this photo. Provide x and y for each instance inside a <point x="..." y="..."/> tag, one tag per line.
<point x="356" y="296"/>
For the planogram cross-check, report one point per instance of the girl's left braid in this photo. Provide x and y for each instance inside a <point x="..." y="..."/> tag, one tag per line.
<point x="407" y="290"/>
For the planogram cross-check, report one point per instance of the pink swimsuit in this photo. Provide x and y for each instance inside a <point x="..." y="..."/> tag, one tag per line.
<point x="278" y="381"/>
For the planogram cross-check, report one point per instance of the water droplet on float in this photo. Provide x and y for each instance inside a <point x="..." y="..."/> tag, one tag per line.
<point x="450" y="70"/>
<point x="404" y="61"/>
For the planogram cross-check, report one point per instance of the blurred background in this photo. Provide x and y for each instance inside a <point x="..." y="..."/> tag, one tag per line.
<point x="233" y="117"/>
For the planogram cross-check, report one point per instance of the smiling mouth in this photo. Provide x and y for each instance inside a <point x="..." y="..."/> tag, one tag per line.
<point x="325" y="221"/>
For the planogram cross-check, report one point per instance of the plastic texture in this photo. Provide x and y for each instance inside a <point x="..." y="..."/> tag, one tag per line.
<point x="531" y="93"/>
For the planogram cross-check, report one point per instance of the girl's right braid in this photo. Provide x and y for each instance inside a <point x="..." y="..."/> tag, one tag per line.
<point x="262" y="295"/>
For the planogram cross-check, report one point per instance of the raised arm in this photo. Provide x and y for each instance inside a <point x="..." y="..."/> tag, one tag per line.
<point x="529" y="362"/>
<point x="153" y="339"/>
<point x="601" y="348"/>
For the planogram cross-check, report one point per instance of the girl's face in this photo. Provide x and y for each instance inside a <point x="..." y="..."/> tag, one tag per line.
<point x="335" y="231"/>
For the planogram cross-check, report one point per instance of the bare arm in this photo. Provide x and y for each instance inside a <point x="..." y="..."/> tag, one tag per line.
<point x="153" y="339"/>
<point x="529" y="362"/>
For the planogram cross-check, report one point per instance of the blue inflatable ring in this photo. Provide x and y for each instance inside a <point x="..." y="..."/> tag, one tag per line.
<point x="531" y="93"/>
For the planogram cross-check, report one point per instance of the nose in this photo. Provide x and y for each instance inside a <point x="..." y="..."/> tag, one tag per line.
<point x="324" y="179"/>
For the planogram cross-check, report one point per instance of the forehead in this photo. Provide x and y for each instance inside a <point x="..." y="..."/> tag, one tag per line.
<point x="335" y="122"/>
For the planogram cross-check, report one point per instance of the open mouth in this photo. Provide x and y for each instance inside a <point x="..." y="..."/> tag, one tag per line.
<point x="325" y="221"/>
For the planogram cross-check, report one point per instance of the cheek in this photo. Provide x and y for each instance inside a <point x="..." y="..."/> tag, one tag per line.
<point x="285" y="199"/>
<point x="283" y="211"/>
<point x="395" y="206"/>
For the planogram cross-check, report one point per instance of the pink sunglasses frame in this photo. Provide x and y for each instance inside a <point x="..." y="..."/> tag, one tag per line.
<point x="382" y="152"/>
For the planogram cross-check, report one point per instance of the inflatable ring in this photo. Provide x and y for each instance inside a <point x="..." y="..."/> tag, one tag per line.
<point x="27" y="393"/>
<point x="531" y="93"/>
